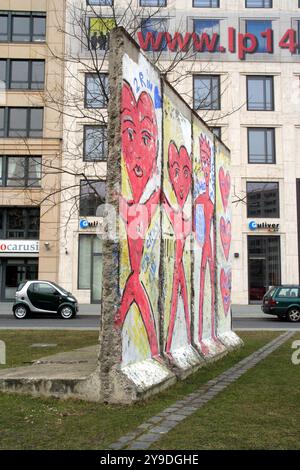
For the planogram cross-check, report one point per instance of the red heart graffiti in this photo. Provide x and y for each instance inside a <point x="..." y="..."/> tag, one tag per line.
<point x="225" y="183"/>
<point x="225" y="284"/>
<point x="139" y="139"/>
<point x="225" y="232"/>
<point x="180" y="172"/>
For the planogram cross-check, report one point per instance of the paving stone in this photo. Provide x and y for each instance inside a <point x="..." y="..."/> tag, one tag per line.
<point x="163" y="429"/>
<point x="116" y="446"/>
<point x="171" y="409"/>
<point x="154" y="419"/>
<point x="176" y="417"/>
<point x="129" y="437"/>
<point x="148" y="438"/>
<point x="185" y="412"/>
<point x="144" y="426"/>
<point x="138" y="446"/>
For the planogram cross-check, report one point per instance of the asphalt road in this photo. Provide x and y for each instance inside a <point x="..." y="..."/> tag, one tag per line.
<point x="91" y="322"/>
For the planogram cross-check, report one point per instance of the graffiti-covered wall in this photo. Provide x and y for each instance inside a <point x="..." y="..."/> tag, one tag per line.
<point x="165" y="308"/>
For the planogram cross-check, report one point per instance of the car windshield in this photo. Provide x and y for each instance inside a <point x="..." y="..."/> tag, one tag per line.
<point x="64" y="291"/>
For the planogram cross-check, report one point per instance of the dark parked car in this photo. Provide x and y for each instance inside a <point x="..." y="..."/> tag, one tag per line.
<point x="43" y="297"/>
<point x="283" y="301"/>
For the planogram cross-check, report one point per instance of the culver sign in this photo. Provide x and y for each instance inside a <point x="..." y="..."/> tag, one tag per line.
<point x="19" y="246"/>
<point x="242" y="43"/>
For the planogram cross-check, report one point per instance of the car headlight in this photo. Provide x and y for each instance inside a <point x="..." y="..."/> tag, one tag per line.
<point x="71" y="299"/>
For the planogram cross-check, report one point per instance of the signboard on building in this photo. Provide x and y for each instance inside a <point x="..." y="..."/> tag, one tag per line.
<point x="263" y="226"/>
<point x="19" y="246"/>
<point x="240" y="43"/>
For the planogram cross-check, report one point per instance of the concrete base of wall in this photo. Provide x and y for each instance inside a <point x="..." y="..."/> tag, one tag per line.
<point x="66" y="375"/>
<point x="184" y="361"/>
<point x="231" y="340"/>
<point x="76" y="374"/>
<point x="211" y="349"/>
<point x="138" y="381"/>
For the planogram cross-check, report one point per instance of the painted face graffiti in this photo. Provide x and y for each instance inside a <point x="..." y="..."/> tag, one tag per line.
<point x="180" y="169"/>
<point x="139" y="148"/>
<point x="139" y="139"/>
<point x="208" y="247"/>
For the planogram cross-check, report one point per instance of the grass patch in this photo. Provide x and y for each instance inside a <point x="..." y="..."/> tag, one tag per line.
<point x="18" y="344"/>
<point x="259" y="411"/>
<point x="36" y="423"/>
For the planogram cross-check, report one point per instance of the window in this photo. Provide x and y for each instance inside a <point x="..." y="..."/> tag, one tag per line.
<point x="261" y="145"/>
<point x="256" y="27"/>
<point x="103" y="3"/>
<point x="3" y="73"/>
<point x="217" y="131"/>
<point x="260" y="94"/>
<point x="206" y="3"/>
<point x="90" y="265"/>
<point x="96" y="90"/>
<point x="22" y="26"/>
<point x="2" y="118"/>
<point x="262" y="200"/>
<point x="99" y="29"/>
<point x="209" y="27"/>
<point x="288" y="292"/>
<point x="19" y="171"/>
<point x="207" y="92"/>
<point x="259" y="4"/>
<point x="95" y="143"/>
<point x="19" y="222"/>
<point x="153" y="3"/>
<point x="42" y="288"/>
<point x="23" y="74"/>
<point x="21" y="122"/>
<point x="92" y="195"/>
<point x="155" y="26"/>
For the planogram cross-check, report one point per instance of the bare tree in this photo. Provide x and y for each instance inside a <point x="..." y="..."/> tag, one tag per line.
<point x="82" y="99"/>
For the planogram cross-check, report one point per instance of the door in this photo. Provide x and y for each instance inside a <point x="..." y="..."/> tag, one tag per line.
<point x="96" y="277"/>
<point x="16" y="270"/>
<point x="257" y="278"/>
<point x="264" y="265"/>
<point x="44" y="297"/>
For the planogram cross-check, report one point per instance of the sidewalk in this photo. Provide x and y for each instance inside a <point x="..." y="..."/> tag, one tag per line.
<point x="238" y="311"/>
<point x="64" y="375"/>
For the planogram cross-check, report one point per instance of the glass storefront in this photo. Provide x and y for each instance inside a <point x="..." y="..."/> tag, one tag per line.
<point x="264" y="265"/>
<point x="13" y="271"/>
<point x="90" y="265"/>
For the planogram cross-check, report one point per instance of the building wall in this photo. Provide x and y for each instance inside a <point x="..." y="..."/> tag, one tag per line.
<point x="233" y="118"/>
<point x="49" y="146"/>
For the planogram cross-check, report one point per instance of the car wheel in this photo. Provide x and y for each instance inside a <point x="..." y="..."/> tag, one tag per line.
<point x="66" y="312"/>
<point x="294" y="315"/>
<point x="20" y="312"/>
